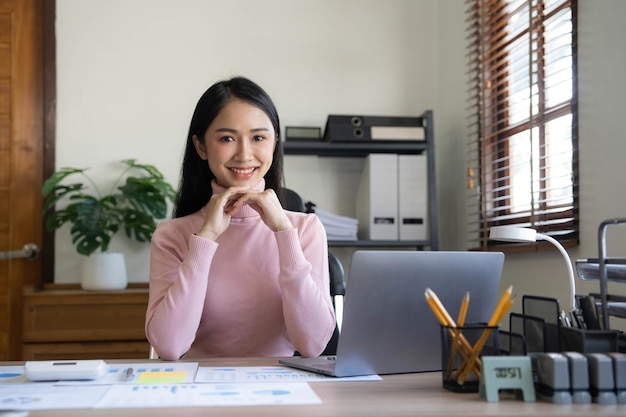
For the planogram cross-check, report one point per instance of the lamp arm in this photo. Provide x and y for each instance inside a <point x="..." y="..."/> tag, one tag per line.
<point x="570" y="270"/>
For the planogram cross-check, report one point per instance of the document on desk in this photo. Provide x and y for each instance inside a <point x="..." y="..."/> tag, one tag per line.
<point x="268" y="374"/>
<point x="49" y="396"/>
<point x="195" y="395"/>
<point x="12" y="374"/>
<point x="144" y="373"/>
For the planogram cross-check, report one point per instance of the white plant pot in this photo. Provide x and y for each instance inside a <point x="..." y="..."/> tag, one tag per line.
<point x="104" y="271"/>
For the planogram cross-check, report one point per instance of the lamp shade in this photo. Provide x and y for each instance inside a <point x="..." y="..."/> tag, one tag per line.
<point x="512" y="234"/>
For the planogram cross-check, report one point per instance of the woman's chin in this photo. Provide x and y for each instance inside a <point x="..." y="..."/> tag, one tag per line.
<point x="242" y="182"/>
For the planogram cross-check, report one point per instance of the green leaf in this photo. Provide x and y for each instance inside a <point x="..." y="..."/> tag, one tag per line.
<point x="95" y="222"/>
<point x="141" y="194"/>
<point x="54" y="180"/>
<point x="58" y="192"/>
<point x="87" y="242"/>
<point x="150" y="170"/>
<point x="139" y="225"/>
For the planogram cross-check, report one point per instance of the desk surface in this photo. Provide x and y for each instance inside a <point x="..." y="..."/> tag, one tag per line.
<point x="396" y="395"/>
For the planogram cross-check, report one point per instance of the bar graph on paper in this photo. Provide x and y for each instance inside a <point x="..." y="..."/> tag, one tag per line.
<point x="194" y="395"/>
<point x="267" y="374"/>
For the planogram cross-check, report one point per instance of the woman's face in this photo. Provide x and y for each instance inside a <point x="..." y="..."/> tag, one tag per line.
<point x="238" y="144"/>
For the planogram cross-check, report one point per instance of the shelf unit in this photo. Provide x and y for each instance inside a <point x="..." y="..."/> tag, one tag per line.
<point x="360" y="149"/>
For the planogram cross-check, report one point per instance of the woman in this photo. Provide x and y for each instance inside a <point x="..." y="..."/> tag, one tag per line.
<point x="233" y="274"/>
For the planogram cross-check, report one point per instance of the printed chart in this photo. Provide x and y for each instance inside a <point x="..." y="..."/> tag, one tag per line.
<point x="144" y="373"/>
<point x="193" y="395"/>
<point x="267" y="374"/>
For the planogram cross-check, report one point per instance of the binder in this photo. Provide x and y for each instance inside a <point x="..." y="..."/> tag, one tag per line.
<point x="412" y="197"/>
<point x="377" y="198"/>
<point x="347" y="128"/>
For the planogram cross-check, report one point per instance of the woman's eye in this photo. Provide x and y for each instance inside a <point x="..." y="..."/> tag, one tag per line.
<point x="259" y="138"/>
<point x="227" y="139"/>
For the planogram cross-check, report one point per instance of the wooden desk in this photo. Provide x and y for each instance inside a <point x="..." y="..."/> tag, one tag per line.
<point x="396" y="395"/>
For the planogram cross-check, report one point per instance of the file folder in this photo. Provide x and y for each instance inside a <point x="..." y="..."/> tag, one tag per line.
<point x="377" y="198"/>
<point x="412" y="197"/>
<point x="347" y="128"/>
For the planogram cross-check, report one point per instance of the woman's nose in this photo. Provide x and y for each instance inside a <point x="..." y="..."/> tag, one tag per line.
<point x="244" y="151"/>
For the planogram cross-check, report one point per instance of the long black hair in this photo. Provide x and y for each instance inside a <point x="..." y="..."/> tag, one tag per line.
<point x="194" y="189"/>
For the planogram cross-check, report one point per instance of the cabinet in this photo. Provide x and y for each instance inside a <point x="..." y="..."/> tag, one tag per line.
<point x="78" y="324"/>
<point x="361" y="149"/>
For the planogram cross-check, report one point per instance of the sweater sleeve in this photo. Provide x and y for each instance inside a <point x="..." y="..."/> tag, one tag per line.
<point x="305" y="288"/>
<point x="178" y="287"/>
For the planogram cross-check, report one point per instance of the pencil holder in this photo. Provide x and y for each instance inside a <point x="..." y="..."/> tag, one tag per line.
<point x="461" y="352"/>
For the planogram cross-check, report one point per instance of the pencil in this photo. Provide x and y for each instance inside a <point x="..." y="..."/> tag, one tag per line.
<point x="505" y="303"/>
<point x="460" y="322"/>
<point x="463" y="311"/>
<point x="430" y="295"/>
<point x="446" y="320"/>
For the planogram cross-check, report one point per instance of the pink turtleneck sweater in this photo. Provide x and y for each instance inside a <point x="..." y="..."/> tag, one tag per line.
<point x="253" y="292"/>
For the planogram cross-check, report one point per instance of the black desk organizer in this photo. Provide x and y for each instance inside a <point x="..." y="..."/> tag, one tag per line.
<point x="538" y="329"/>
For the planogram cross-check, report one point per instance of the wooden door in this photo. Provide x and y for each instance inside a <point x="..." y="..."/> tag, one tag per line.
<point x="21" y="158"/>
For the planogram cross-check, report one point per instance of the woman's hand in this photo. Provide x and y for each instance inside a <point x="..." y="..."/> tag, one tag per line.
<point x="223" y="206"/>
<point x="266" y="203"/>
<point x="218" y="216"/>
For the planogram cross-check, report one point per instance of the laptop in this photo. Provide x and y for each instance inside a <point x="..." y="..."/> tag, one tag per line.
<point x="388" y="327"/>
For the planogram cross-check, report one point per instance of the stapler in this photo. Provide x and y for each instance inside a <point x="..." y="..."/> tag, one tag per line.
<point x="601" y="380"/>
<point x="619" y="375"/>
<point x="578" y="377"/>
<point x="552" y="377"/>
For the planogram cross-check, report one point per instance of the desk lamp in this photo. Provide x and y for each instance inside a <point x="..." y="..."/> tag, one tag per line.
<point x="523" y="234"/>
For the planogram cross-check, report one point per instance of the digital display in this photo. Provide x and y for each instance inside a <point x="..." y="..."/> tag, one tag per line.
<point x="509" y="372"/>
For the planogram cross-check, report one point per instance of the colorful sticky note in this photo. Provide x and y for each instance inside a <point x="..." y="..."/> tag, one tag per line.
<point x="162" y="377"/>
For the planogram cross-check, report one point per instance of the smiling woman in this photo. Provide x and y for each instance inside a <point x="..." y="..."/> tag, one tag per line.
<point x="234" y="274"/>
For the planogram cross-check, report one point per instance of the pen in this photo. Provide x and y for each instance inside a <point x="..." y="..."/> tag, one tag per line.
<point x="129" y="374"/>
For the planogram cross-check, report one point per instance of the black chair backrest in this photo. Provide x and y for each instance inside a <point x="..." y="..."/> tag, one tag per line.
<point x="337" y="276"/>
<point x="294" y="202"/>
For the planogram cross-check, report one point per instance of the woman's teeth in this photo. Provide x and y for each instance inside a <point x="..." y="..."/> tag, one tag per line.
<point x="242" y="171"/>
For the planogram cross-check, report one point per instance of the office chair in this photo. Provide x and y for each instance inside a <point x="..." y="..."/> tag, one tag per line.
<point x="294" y="202"/>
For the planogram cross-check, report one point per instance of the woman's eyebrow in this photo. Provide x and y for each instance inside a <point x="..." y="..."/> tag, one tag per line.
<point x="226" y="129"/>
<point x="231" y="130"/>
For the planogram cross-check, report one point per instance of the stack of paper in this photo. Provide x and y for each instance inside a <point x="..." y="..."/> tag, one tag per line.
<point x="337" y="227"/>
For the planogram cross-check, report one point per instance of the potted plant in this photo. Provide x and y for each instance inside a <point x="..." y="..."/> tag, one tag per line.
<point x="133" y="206"/>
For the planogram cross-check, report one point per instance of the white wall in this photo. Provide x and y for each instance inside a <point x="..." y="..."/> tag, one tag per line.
<point x="130" y="72"/>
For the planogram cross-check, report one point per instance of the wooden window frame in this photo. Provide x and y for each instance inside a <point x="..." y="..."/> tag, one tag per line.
<point x="490" y="133"/>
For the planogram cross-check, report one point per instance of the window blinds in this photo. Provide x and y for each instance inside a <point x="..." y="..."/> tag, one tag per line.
<point x="521" y="118"/>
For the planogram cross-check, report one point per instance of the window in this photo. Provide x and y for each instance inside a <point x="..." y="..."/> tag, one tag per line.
<point x="522" y="118"/>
